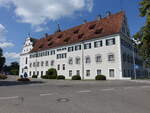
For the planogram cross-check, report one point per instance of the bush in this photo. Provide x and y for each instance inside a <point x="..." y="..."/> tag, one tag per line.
<point x="51" y="74"/>
<point x="23" y="79"/>
<point x="61" y="77"/>
<point x="34" y="76"/>
<point x="49" y="77"/>
<point x="3" y="77"/>
<point x="76" y="77"/>
<point x="52" y="71"/>
<point x="100" y="77"/>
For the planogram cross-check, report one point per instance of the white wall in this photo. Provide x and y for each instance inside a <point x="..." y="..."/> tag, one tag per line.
<point x="105" y="65"/>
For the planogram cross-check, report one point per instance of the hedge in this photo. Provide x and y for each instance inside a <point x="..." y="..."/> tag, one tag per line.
<point x="100" y="77"/>
<point x="76" y="77"/>
<point x="61" y="77"/>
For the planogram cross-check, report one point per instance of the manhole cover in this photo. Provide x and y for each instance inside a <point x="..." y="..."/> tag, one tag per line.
<point x="63" y="100"/>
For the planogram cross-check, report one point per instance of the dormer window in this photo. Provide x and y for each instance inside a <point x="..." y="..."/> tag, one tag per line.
<point x="92" y="26"/>
<point x="98" y="31"/>
<point x="41" y="46"/>
<point x="80" y="36"/>
<point x="67" y="39"/>
<point x="60" y="36"/>
<point x="49" y="39"/>
<point x="76" y="31"/>
<point x="49" y="44"/>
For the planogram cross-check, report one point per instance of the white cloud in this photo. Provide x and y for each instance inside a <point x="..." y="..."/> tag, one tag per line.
<point x="3" y="42"/>
<point x="41" y="11"/>
<point x="12" y="55"/>
<point x="2" y="33"/>
<point x="6" y="44"/>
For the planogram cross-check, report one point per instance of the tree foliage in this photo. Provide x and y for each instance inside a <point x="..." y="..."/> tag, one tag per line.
<point x="13" y="69"/>
<point x="143" y="36"/>
<point x="2" y="60"/>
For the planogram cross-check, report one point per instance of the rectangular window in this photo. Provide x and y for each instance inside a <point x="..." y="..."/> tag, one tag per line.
<point x="42" y="63"/>
<point x="46" y="63"/>
<point x="70" y="73"/>
<point x="52" y="63"/>
<point x="78" y="72"/>
<point x="87" y="46"/>
<point x="77" y="60"/>
<point x="38" y="64"/>
<point x="70" y="49"/>
<point x="98" y="58"/>
<point x="63" y="55"/>
<point x="58" y="56"/>
<point x="58" y="67"/>
<point x="98" y="44"/>
<point x="78" y="47"/>
<point x="34" y="64"/>
<point x="111" y="73"/>
<point x="99" y="72"/>
<point x="30" y="64"/>
<point x="111" y="57"/>
<point x="53" y="52"/>
<point x="110" y="42"/>
<point x="87" y="73"/>
<point x="26" y="60"/>
<point x="63" y="66"/>
<point x="30" y="74"/>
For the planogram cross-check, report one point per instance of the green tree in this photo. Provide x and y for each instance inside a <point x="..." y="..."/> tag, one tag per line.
<point x="143" y="36"/>
<point x="14" y="68"/>
<point x="2" y="60"/>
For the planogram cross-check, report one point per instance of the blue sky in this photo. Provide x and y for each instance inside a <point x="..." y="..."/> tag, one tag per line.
<point x="20" y="17"/>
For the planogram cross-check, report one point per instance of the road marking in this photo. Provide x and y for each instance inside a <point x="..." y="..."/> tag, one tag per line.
<point x="84" y="91"/>
<point x="109" y="89"/>
<point x="6" y="98"/>
<point x="145" y="86"/>
<point x="46" y="94"/>
<point x="129" y="87"/>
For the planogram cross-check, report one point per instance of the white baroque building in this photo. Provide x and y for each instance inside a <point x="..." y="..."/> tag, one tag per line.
<point x="99" y="47"/>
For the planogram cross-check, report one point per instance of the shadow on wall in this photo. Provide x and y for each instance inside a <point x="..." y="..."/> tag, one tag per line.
<point x="15" y="83"/>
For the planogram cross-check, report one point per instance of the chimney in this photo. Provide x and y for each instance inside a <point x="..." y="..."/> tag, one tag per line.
<point x="58" y="28"/>
<point x="99" y="17"/>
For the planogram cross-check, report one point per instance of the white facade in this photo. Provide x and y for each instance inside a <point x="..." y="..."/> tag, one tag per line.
<point x="84" y="67"/>
<point x="111" y="56"/>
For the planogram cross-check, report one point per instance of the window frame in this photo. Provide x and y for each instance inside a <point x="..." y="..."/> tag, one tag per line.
<point x="87" y="60"/>
<point x="111" y="60"/>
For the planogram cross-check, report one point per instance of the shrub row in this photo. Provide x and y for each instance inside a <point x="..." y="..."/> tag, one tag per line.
<point x="52" y="74"/>
<point x="100" y="77"/>
<point x="34" y="76"/>
<point x="76" y="77"/>
<point x="23" y="79"/>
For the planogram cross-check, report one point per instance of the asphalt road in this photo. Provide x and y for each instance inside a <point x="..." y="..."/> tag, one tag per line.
<point x="52" y="96"/>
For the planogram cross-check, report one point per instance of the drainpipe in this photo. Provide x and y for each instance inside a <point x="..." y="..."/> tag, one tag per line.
<point x="134" y="60"/>
<point x="82" y="60"/>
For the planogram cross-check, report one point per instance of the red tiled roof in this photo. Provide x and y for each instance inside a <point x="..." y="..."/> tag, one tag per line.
<point x="99" y="28"/>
